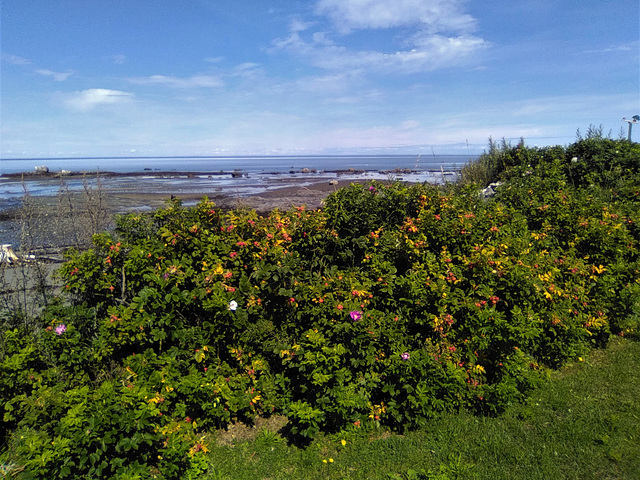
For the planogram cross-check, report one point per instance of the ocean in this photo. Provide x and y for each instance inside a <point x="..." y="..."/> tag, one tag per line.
<point x="251" y="164"/>
<point x="238" y="175"/>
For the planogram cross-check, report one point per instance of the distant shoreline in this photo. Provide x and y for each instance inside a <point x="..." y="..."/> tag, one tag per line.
<point x="148" y="190"/>
<point x="34" y="175"/>
<point x="205" y="165"/>
<point x="237" y="183"/>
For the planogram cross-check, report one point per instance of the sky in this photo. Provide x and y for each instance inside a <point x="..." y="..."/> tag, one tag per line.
<point x="293" y="77"/>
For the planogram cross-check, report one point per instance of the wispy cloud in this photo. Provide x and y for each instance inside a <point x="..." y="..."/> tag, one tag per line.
<point x="429" y="53"/>
<point x="24" y="62"/>
<point x="88" y="99"/>
<point x="57" y="76"/>
<point x="436" y="15"/>
<point x="338" y="83"/>
<point x="435" y="33"/>
<point x="117" y="59"/>
<point x="15" y="59"/>
<point x="196" y="81"/>
<point x="623" y="47"/>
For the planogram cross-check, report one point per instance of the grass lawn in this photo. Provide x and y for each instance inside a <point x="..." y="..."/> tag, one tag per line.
<point x="583" y="424"/>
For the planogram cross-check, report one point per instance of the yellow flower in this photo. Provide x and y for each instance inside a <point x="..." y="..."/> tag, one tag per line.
<point x="344" y="442"/>
<point x="331" y="460"/>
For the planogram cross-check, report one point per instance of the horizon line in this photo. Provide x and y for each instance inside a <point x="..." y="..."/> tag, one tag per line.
<point x="337" y="155"/>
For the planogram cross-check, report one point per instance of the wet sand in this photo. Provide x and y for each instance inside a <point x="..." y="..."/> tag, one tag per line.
<point x="55" y="225"/>
<point x="282" y="198"/>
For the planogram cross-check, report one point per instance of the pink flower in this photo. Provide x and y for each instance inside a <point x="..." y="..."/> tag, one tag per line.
<point x="60" y="329"/>
<point x="355" y="315"/>
<point x="405" y="356"/>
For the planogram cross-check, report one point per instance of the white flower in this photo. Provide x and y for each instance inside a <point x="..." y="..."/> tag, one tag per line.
<point x="233" y="305"/>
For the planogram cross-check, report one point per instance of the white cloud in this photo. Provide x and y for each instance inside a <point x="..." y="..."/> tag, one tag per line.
<point x="430" y="52"/>
<point x="438" y="15"/>
<point x="88" y="99"/>
<point x="332" y="84"/>
<point x="623" y="47"/>
<point x="57" y="76"/>
<point x="15" y="59"/>
<point x="434" y="34"/>
<point x="117" y="59"/>
<point x="196" y="81"/>
<point x="298" y="25"/>
<point x="246" y="70"/>
<point x="247" y="66"/>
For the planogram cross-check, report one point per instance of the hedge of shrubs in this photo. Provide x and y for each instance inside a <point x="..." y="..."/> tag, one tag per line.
<point x="391" y="304"/>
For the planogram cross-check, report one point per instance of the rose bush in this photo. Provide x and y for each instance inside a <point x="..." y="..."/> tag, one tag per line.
<point x="391" y="304"/>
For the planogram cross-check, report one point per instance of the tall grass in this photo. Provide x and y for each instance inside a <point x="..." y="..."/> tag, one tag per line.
<point x="487" y="168"/>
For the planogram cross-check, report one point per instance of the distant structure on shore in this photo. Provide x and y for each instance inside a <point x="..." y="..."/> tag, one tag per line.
<point x="634" y="119"/>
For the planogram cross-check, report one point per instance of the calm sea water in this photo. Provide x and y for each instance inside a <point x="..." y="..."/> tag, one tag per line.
<point x="213" y="174"/>
<point x="264" y="164"/>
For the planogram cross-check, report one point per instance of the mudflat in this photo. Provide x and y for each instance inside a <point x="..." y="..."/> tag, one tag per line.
<point x="61" y="220"/>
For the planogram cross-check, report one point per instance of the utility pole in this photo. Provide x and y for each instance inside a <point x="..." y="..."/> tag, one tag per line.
<point x="634" y="119"/>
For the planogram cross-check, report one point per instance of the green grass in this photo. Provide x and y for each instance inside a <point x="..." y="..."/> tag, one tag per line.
<point x="583" y="424"/>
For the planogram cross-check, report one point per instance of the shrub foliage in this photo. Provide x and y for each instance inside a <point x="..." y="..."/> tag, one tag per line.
<point x="391" y="304"/>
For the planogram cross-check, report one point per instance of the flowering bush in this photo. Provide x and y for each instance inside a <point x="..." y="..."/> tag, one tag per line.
<point x="392" y="304"/>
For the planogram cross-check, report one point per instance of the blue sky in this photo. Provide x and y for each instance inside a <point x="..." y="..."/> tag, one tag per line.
<point x="207" y="77"/>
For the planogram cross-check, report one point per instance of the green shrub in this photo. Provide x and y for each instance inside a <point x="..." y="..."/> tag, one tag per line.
<point x="392" y="304"/>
